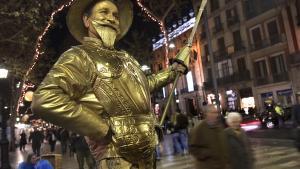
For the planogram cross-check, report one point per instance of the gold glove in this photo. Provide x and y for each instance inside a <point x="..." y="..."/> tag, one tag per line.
<point x="183" y="58"/>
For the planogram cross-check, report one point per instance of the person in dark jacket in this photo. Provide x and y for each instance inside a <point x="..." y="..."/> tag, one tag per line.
<point x="296" y="121"/>
<point x="240" y="152"/>
<point x="180" y="133"/>
<point x="29" y="163"/>
<point x="36" y="138"/>
<point x="23" y="141"/>
<point x="208" y="142"/>
<point x="64" y="140"/>
<point x="83" y="152"/>
<point x="52" y="138"/>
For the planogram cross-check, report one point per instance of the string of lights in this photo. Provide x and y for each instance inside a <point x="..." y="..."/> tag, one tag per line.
<point x="38" y="53"/>
<point x="160" y="23"/>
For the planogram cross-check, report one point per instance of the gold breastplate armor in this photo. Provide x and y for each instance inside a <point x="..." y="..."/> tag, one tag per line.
<point x="134" y="133"/>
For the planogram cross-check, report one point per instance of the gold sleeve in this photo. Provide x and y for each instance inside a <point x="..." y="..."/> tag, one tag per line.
<point x="57" y="99"/>
<point x="156" y="81"/>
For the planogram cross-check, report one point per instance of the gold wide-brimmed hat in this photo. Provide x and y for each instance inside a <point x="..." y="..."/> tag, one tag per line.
<point x="75" y="13"/>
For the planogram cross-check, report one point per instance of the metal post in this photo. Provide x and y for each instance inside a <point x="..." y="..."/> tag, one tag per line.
<point x="5" y="164"/>
<point x="210" y="51"/>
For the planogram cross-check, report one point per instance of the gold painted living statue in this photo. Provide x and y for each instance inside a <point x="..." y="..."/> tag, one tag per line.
<point x="102" y="93"/>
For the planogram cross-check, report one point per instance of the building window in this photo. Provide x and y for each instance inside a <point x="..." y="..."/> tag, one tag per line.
<point x="214" y="5"/>
<point x="278" y="68"/>
<point x="206" y="53"/>
<point x="190" y="82"/>
<point x="237" y="40"/>
<point x="285" y="97"/>
<point x="273" y="32"/>
<point x="277" y="64"/>
<point x="257" y="41"/>
<point x="221" y="44"/>
<point x="218" y="24"/>
<point x="225" y="69"/>
<point x="232" y="16"/>
<point x="260" y="69"/>
<point x="241" y="64"/>
<point x="209" y="74"/>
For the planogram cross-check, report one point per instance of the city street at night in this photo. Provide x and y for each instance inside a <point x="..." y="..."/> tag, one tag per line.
<point x="270" y="153"/>
<point x="150" y="84"/>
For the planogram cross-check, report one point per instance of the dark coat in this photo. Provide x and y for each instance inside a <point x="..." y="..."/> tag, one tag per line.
<point x="37" y="138"/>
<point x="23" y="139"/>
<point x="241" y="156"/>
<point x="208" y="144"/>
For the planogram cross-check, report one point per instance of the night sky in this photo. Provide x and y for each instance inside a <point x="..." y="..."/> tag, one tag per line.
<point x="60" y="39"/>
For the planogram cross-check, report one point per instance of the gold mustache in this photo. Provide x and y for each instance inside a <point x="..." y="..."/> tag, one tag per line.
<point x="101" y="24"/>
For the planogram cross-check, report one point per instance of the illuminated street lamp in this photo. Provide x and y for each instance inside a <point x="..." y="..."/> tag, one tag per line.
<point x="4" y="142"/>
<point x="172" y="45"/>
<point x="3" y="73"/>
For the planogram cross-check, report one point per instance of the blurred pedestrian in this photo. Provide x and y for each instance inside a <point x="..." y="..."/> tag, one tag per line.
<point x="72" y="141"/>
<point x="208" y="142"/>
<point x="23" y="141"/>
<point x="296" y="121"/>
<point x="36" y="138"/>
<point x="64" y="140"/>
<point x="180" y="133"/>
<point x="29" y="163"/>
<point x="83" y="153"/>
<point x="240" y="152"/>
<point x="279" y="114"/>
<point x="51" y="137"/>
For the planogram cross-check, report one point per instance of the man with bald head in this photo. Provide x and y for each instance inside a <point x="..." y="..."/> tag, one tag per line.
<point x="208" y="143"/>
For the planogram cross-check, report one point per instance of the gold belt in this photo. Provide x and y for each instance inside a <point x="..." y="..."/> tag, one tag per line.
<point x="134" y="136"/>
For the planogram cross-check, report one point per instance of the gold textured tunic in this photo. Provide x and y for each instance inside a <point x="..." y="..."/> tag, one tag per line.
<point x="91" y="90"/>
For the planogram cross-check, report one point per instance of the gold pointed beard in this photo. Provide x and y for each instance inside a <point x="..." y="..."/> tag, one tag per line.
<point x="107" y="34"/>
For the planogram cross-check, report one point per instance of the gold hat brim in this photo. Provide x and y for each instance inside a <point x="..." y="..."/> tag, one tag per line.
<point x="76" y="26"/>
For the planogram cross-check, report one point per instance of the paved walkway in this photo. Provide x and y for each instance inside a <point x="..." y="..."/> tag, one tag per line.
<point x="269" y="153"/>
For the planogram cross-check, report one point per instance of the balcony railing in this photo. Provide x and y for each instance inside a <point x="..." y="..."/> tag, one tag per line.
<point x="234" y="78"/>
<point x="218" y="28"/>
<point x="267" y="42"/>
<point x="232" y="21"/>
<point x="294" y="58"/>
<point x="275" y="78"/>
<point x="280" y="77"/>
<point x="236" y="48"/>
<point x="203" y="35"/>
<point x="221" y="55"/>
<point x="262" y="81"/>
<point x="254" y="8"/>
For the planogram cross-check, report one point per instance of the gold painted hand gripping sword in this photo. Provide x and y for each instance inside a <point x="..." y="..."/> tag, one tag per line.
<point x="183" y="54"/>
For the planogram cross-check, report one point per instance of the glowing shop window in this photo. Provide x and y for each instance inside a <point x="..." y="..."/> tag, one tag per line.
<point x="164" y="92"/>
<point x="190" y="83"/>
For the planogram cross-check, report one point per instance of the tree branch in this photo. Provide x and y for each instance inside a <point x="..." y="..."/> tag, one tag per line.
<point x="168" y="10"/>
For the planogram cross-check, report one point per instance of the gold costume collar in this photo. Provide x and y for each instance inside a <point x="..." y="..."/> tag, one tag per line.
<point x="95" y="42"/>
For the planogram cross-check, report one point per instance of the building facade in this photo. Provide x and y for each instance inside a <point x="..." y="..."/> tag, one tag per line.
<point x="256" y="56"/>
<point x="251" y="42"/>
<point x="188" y="93"/>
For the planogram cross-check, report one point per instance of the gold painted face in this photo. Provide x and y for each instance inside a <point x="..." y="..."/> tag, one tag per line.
<point x="104" y="23"/>
<point x="105" y="13"/>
